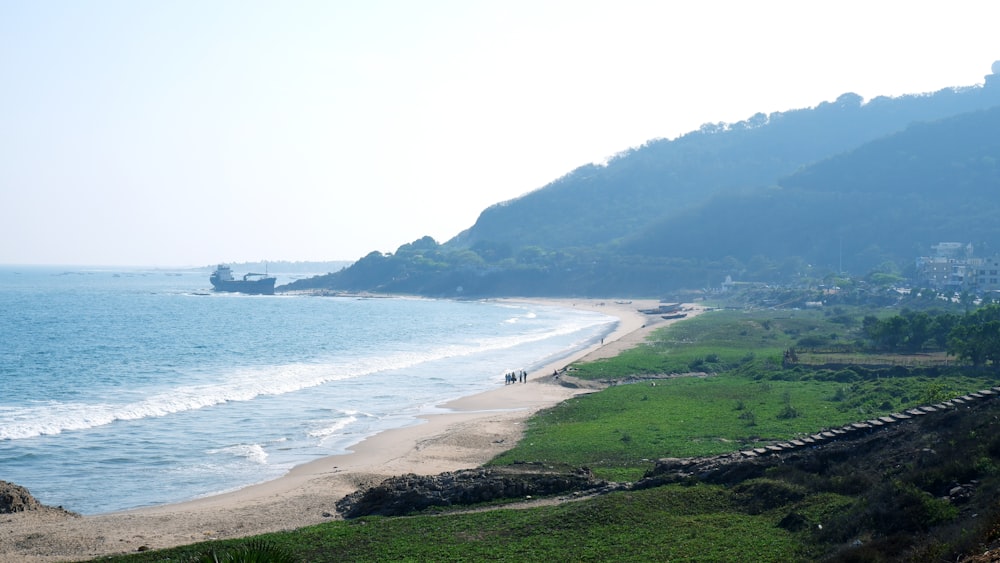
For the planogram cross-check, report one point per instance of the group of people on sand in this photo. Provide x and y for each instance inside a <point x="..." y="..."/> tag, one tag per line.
<point x="520" y="376"/>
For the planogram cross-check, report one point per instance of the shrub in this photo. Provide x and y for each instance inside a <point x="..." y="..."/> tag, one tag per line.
<point x="254" y="551"/>
<point x="761" y="495"/>
<point x="788" y="412"/>
<point x="811" y="342"/>
<point x="749" y="417"/>
<point x="846" y="376"/>
<point x="840" y="395"/>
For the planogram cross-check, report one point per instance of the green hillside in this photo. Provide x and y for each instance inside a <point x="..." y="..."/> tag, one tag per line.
<point x="845" y="186"/>
<point x="889" y="199"/>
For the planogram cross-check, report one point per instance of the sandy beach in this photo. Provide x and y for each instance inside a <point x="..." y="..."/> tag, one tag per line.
<point x="476" y="429"/>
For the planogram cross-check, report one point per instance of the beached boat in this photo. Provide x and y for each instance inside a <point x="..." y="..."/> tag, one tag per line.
<point x="254" y="284"/>
<point x="663" y="309"/>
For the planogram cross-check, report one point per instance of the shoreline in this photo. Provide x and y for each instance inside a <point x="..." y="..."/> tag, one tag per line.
<point x="477" y="428"/>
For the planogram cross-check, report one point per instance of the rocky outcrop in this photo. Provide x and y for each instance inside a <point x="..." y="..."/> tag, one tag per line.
<point x="410" y="493"/>
<point x="15" y="498"/>
<point x="731" y="468"/>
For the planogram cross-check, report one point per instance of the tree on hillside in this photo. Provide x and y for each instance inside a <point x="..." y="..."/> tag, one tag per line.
<point x="976" y="338"/>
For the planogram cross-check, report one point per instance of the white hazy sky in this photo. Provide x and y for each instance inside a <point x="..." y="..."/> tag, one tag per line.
<point x="190" y="132"/>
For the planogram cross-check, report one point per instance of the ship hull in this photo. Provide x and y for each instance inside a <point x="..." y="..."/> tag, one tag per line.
<point x="264" y="286"/>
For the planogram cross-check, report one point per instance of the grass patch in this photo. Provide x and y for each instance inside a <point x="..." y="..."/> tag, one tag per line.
<point x="621" y="430"/>
<point x="668" y="523"/>
<point x="715" y="342"/>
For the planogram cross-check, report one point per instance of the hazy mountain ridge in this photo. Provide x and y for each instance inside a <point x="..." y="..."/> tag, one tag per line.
<point x="664" y="178"/>
<point x="886" y="200"/>
<point x="844" y="185"/>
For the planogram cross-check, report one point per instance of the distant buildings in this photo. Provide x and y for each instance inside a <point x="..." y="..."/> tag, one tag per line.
<point x="953" y="266"/>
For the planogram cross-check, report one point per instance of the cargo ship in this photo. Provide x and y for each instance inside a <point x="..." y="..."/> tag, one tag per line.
<point x="253" y="284"/>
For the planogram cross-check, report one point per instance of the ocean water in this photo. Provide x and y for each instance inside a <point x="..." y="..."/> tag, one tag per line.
<point x="125" y="388"/>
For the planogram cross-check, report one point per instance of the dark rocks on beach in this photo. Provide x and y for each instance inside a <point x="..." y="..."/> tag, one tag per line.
<point x="15" y="498"/>
<point x="410" y="493"/>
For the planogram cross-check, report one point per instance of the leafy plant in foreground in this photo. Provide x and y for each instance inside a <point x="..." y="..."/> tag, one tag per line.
<point x="253" y="551"/>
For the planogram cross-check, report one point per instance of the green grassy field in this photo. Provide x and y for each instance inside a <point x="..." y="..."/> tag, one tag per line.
<point x="724" y="339"/>
<point x="677" y="523"/>
<point x="749" y="400"/>
<point x="619" y="431"/>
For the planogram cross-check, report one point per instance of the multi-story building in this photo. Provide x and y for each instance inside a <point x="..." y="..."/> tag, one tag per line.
<point x="954" y="267"/>
<point x="947" y="267"/>
<point x="985" y="274"/>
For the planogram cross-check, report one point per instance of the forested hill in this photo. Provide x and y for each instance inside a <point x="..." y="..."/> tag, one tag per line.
<point x="844" y="185"/>
<point x="596" y="205"/>
<point x="888" y="200"/>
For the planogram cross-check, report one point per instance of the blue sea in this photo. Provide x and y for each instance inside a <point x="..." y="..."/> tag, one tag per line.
<point x="122" y="388"/>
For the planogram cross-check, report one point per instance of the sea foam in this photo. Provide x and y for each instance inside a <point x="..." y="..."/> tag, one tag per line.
<point x="133" y="379"/>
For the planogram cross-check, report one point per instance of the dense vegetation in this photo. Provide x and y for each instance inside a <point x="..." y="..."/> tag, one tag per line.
<point x="925" y="493"/>
<point x="790" y="197"/>
<point x="972" y="337"/>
